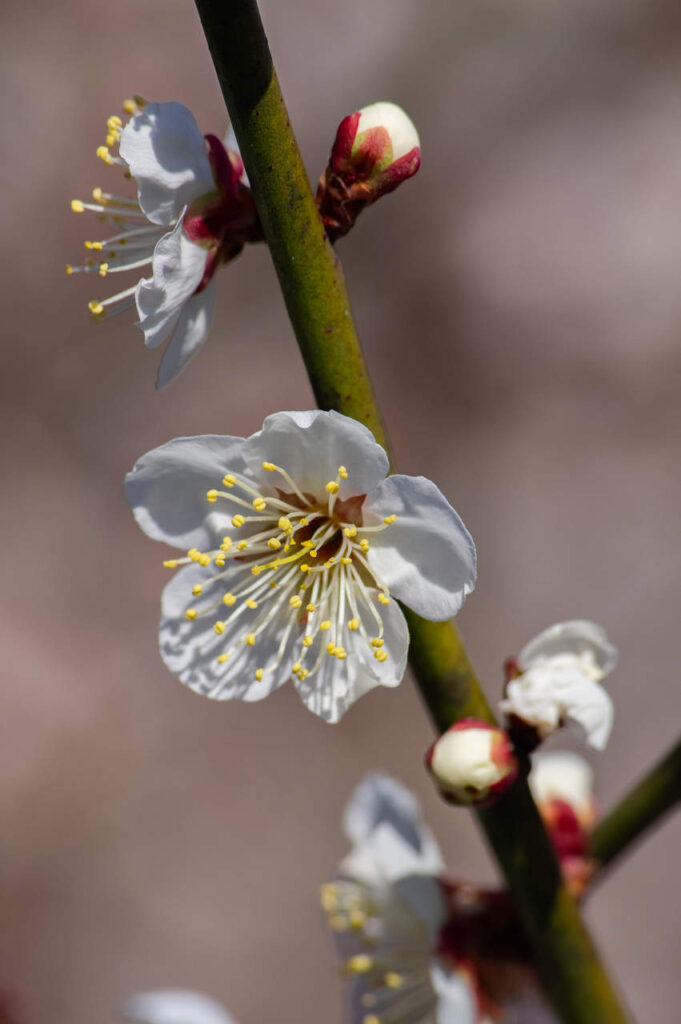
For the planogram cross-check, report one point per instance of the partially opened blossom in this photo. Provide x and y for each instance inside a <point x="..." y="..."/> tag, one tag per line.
<point x="174" y="1006"/>
<point x="375" y="149"/>
<point x="556" y="679"/>
<point x="193" y="212"/>
<point x="562" y="786"/>
<point x="297" y="550"/>
<point x="472" y="762"/>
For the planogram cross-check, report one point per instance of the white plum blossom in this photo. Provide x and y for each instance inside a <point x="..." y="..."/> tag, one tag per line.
<point x="174" y="1006"/>
<point x="387" y="909"/>
<point x="297" y="550"/>
<point x="192" y="213"/>
<point x="559" y="680"/>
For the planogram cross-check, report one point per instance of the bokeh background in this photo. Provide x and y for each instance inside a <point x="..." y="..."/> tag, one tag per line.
<point x="520" y="307"/>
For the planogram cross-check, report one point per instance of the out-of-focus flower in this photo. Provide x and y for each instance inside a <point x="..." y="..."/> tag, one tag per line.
<point x="174" y="1006"/>
<point x="472" y="762"/>
<point x="562" y="786"/>
<point x="388" y="910"/>
<point x="297" y="547"/>
<point x="556" y="678"/>
<point x="193" y="212"/>
<point x="375" y="149"/>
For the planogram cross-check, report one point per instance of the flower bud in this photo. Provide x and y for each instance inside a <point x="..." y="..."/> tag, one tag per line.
<point x="375" y="149"/>
<point x="472" y="762"/>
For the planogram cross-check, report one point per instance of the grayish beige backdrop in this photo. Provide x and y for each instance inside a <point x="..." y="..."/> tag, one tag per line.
<point x="520" y="306"/>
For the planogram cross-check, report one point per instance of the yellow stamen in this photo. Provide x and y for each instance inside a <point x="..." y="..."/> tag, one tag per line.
<point x="360" y="964"/>
<point x="390" y="519"/>
<point x="342" y="472"/>
<point x="219" y="627"/>
<point x="295" y="601"/>
<point x="259" y="504"/>
<point x="228" y="480"/>
<point x="259" y="673"/>
<point x="383" y="599"/>
<point x="326" y="624"/>
<point x="353" y="624"/>
<point x="190" y="614"/>
<point x="238" y="520"/>
<point x="332" y="487"/>
<point x="350" y="532"/>
<point x="197" y="590"/>
<point x="171" y="563"/>
<point x="212" y="496"/>
<point x="222" y="658"/>
<point x="77" y="205"/>
<point x="250" y="603"/>
<point x="273" y="544"/>
<point x="250" y="639"/>
<point x="229" y="600"/>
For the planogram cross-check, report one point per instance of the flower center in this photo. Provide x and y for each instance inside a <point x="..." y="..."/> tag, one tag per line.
<point x="308" y="569"/>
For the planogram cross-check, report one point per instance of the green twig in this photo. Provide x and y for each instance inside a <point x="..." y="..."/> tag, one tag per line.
<point x="657" y="792"/>
<point x="316" y="298"/>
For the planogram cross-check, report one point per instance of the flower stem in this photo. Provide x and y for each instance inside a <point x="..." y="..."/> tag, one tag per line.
<point x="314" y="290"/>
<point x="657" y="792"/>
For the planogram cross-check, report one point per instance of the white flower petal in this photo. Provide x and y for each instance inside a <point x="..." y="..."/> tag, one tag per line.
<point x="338" y="684"/>
<point x="174" y="1006"/>
<point x="177" y="269"/>
<point x="578" y="637"/>
<point x="312" y="445"/>
<point x="167" y="156"/>
<point x="456" y="1001"/>
<point x="167" y="489"/>
<point x="545" y="694"/>
<point x="190" y="649"/>
<point x="562" y="775"/>
<point x="379" y="799"/>
<point x="427" y="558"/>
<point x="189" y="335"/>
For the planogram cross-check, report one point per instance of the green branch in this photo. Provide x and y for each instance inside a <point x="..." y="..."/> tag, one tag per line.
<point x="312" y="282"/>
<point x="657" y="792"/>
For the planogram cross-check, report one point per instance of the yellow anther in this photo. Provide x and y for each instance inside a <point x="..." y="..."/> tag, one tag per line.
<point x="390" y="519"/>
<point x="95" y="307"/>
<point x="114" y="122"/>
<point x="222" y="658"/>
<point x="171" y="563"/>
<point x="303" y="522"/>
<point x="69" y="268"/>
<point x="285" y="525"/>
<point x="98" y="195"/>
<point x="77" y="205"/>
<point x="377" y="642"/>
<point x="103" y="154"/>
<point x="364" y="545"/>
<point x="310" y="607"/>
<point x="96" y="246"/>
<point x="273" y="544"/>
<point x="303" y="674"/>
<point x="228" y="480"/>
<point x="238" y="520"/>
<point x="272" y="584"/>
<point x="257" y="569"/>
<point x="329" y="562"/>
<point x="197" y="590"/>
<point x="305" y="568"/>
<point x="242" y="545"/>
<point x="250" y="603"/>
<point x="381" y="655"/>
<point x="308" y="640"/>
<point x="226" y="544"/>
<point x="331" y="647"/>
<point x="229" y="600"/>
<point x="353" y="624"/>
<point x="219" y="627"/>
<point x="269" y="466"/>
<point x="129" y="106"/>
<point x="360" y="964"/>
<point x="326" y="624"/>
<point x="393" y="979"/>
<point x="190" y="614"/>
<point x="296" y="667"/>
<point x="103" y="269"/>
<point x="212" y="496"/>
<point x="259" y="673"/>
<point x="220" y="562"/>
<point x="295" y="601"/>
<point x="332" y="487"/>
<point x="204" y="560"/>
<point x="345" y="560"/>
<point x="340" y="653"/>
<point x="357" y="918"/>
<point x="259" y="504"/>
<point x="350" y="531"/>
<point x="342" y="472"/>
<point x="111" y="139"/>
<point x="194" y="554"/>
<point x="383" y="598"/>
<point x="313" y="552"/>
<point x="250" y="639"/>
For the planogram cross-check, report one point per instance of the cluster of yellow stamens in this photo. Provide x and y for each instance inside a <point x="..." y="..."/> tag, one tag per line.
<point x="395" y="983"/>
<point x="304" y="569"/>
<point x="131" y="246"/>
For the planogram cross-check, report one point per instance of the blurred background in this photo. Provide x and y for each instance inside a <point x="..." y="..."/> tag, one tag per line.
<point x="520" y="308"/>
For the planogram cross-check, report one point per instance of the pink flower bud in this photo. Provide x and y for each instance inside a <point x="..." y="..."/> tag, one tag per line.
<point x="375" y="149"/>
<point x="472" y="762"/>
